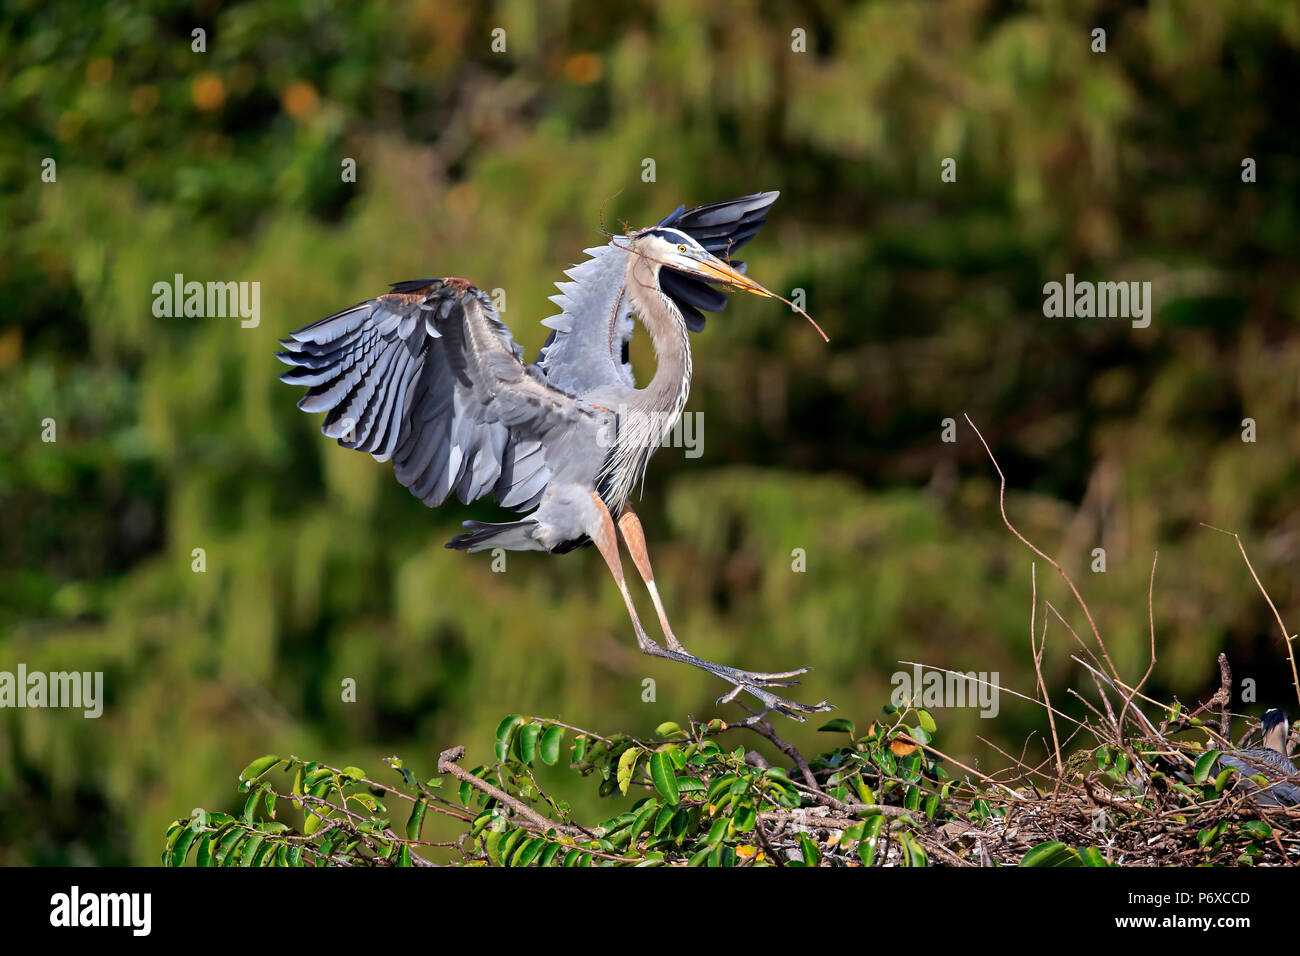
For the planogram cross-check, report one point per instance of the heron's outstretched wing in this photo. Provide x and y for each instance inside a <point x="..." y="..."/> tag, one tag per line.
<point x="588" y="345"/>
<point x="429" y="377"/>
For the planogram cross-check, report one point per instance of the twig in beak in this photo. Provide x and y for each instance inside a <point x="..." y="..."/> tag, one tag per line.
<point x="825" y="337"/>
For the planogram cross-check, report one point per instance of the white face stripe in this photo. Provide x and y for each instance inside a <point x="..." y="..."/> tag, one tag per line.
<point x="677" y="237"/>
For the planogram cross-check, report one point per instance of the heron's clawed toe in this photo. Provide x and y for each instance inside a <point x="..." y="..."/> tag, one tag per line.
<point x="755" y="683"/>
<point x="773" y="679"/>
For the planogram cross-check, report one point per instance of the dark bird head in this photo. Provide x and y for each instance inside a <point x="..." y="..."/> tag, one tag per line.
<point x="1275" y="725"/>
<point x="690" y="270"/>
<point x="680" y="252"/>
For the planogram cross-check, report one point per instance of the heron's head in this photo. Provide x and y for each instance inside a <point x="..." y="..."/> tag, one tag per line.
<point x="1275" y="725"/>
<point x="676" y="250"/>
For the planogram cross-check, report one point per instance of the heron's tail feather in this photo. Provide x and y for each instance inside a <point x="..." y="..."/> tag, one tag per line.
<point x="512" y="535"/>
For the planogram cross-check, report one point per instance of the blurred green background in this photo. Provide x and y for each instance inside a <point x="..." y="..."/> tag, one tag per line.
<point x="174" y="434"/>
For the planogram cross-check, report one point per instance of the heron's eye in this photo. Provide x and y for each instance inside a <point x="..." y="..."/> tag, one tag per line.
<point x="681" y="248"/>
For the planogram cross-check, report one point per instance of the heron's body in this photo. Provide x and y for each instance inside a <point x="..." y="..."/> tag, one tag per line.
<point x="1270" y="762"/>
<point x="429" y="377"/>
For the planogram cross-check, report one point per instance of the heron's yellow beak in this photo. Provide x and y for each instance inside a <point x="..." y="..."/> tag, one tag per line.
<point x="709" y="266"/>
<point x="714" y="268"/>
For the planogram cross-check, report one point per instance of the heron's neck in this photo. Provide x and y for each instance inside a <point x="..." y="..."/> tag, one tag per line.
<point x="1275" y="739"/>
<point x="667" y="391"/>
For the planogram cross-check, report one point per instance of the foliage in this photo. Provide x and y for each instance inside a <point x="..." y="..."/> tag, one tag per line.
<point x="882" y="798"/>
<point x="695" y="802"/>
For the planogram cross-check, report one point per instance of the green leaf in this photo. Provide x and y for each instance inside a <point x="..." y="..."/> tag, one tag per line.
<point x="626" y="767"/>
<point x="642" y="820"/>
<point x="230" y="856"/>
<point x="1207" y="836"/>
<point x="249" y="853"/>
<point x="529" y="852"/>
<point x="550" y="747"/>
<point x="1051" y="853"/>
<point x="1223" y="779"/>
<point x="664" y="776"/>
<point x="250" y="806"/>
<point x="182" y="847"/>
<point x="1204" y="765"/>
<point x="257" y="768"/>
<point x="662" y="821"/>
<point x="870" y="831"/>
<point x="549" y="854"/>
<point x="225" y="845"/>
<point x="1091" y="856"/>
<point x="511" y="843"/>
<point x="690" y="785"/>
<point x="416" y="819"/>
<point x="724" y="784"/>
<point x="506" y="730"/>
<point x="838" y="725"/>
<point x="203" y="855"/>
<point x="811" y="854"/>
<point x="367" y="801"/>
<point x="528" y="735"/>
<point x="312" y="820"/>
<point x="931" y="806"/>
<point x="913" y="851"/>
<point x="927" y="721"/>
<point x="264" y="855"/>
<point x="1257" y="829"/>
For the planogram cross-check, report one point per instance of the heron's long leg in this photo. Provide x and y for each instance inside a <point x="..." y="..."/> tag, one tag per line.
<point x="750" y="682"/>
<point x="629" y="525"/>
<point x="607" y="543"/>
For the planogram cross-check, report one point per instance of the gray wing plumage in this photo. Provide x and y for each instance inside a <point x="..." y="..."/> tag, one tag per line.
<point x="1271" y="765"/>
<point x="429" y="377"/>
<point x="587" y="347"/>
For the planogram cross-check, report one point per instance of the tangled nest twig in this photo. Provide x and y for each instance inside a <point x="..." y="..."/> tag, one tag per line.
<point x="1134" y="790"/>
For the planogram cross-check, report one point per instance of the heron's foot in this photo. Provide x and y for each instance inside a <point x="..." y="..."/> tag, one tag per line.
<point x="757" y="684"/>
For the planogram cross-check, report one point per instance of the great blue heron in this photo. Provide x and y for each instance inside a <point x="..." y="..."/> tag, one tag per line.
<point x="1270" y="762"/>
<point x="429" y="377"/>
